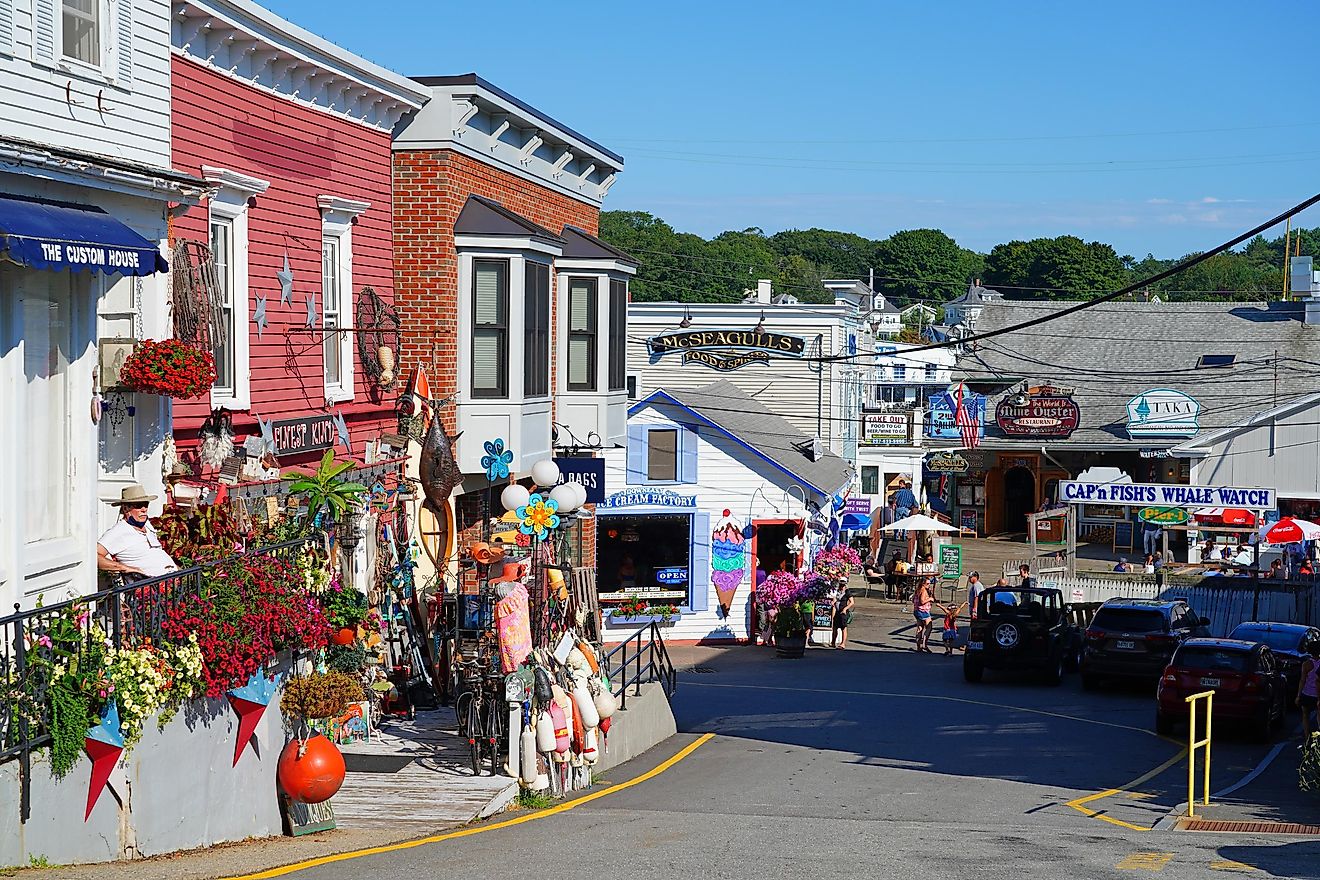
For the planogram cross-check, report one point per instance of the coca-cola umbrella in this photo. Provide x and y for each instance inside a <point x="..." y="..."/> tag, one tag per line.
<point x="1229" y="516"/>
<point x="1290" y="530"/>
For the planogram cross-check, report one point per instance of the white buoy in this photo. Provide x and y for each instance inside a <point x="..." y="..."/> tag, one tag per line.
<point x="545" y="733"/>
<point x="528" y="749"/>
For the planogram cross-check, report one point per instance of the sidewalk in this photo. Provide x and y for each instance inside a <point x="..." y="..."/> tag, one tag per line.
<point x="409" y="781"/>
<point x="1270" y="803"/>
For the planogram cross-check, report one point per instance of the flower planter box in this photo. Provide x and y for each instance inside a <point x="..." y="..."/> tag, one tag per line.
<point x="791" y="647"/>
<point x="616" y="619"/>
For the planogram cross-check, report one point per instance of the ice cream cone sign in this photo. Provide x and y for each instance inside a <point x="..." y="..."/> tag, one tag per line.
<point x="728" y="560"/>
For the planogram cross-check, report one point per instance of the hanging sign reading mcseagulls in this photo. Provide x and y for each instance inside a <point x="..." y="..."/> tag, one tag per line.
<point x="728" y="349"/>
<point x="1046" y="411"/>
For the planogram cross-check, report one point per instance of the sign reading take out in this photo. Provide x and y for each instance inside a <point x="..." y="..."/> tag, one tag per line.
<point x="1161" y="495"/>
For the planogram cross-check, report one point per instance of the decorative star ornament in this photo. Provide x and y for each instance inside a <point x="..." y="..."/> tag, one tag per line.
<point x="104" y="744"/>
<point x="259" y="315"/>
<point x="267" y="427"/>
<point x="341" y="428"/>
<point x="250" y="702"/>
<point x="285" y="277"/>
<point x="312" y="315"/>
<point x="497" y="459"/>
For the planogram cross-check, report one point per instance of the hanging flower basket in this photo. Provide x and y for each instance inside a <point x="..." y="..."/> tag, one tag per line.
<point x="169" y="368"/>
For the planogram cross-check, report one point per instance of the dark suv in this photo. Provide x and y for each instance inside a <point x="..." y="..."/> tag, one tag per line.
<point x="1021" y="628"/>
<point x="1135" y="638"/>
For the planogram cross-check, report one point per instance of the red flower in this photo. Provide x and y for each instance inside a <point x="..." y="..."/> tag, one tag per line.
<point x="169" y="368"/>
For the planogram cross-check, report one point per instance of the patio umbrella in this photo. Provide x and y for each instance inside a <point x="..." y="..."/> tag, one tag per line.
<point x="1290" y="530"/>
<point x="918" y="523"/>
<point x="1229" y="516"/>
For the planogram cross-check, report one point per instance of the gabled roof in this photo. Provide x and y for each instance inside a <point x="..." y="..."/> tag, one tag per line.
<point x="582" y="245"/>
<point x="482" y="216"/>
<point x="722" y="405"/>
<point x="976" y="295"/>
<point x="1202" y="442"/>
<point x="887" y="308"/>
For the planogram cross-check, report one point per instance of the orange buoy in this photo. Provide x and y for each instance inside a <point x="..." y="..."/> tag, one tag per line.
<point x="344" y="636"/>
<point x="314" y="775"/>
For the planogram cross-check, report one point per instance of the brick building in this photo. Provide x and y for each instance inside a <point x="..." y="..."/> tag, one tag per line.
<point x="512" y="306"/>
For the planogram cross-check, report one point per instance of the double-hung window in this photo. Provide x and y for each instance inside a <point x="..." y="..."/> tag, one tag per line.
<point x="930" y="372"/>
<point x="490" y="328"/>
<point x="337" y="218"/>
<point x="332" y="340"/>
<point x="618" y="351"/>
<point x="536" y="330"/>
<point x="662" y="455"/>
<point x="899" y="372"/>
<point x="81" y="30"/>
<point x="224" y="335"/>
<point x="582" y="319"/>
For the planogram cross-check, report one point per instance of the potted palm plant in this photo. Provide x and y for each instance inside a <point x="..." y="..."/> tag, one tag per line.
<point x="326" y="489"/>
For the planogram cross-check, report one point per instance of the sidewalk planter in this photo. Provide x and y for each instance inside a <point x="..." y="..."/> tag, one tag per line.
<point x="639" y="620"/>
<point x="791" y="647"/>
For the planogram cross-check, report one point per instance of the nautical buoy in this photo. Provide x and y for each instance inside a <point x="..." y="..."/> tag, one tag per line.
<point x="560" y="721"/>
<point x="545" y="733"/>
<point x="585" y="705"/>
<point x="527" y="765"/>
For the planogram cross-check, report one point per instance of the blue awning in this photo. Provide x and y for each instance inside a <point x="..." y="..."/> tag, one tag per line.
<point x="855" y="522"/>
<point x="53" y="235"/>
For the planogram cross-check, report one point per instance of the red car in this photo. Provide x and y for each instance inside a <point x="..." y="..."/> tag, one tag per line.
<point x="1247" y="679"/>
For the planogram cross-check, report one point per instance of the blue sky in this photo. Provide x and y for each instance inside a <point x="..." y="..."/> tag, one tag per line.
<point x="1158" y="127"/>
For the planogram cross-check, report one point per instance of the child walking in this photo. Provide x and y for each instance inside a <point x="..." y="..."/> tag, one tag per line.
<point x="950" y="632"/>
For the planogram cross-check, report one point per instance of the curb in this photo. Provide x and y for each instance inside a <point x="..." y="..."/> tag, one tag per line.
<point x="500" y="802"/>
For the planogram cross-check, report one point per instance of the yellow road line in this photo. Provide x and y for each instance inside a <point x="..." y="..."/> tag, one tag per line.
<point x="1080" y="803"/>
<point x="1145" y="861"/>
<point x="481" y="829"/>
<point x="765" y="687"/>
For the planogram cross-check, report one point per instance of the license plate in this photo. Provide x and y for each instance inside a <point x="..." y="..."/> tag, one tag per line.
<point x="1210" y="682"/>
<point x="975" y="646"/>
<point x="1125" y="644"/>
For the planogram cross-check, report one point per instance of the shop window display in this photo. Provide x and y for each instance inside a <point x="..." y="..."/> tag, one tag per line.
<point x="647" y="556"/>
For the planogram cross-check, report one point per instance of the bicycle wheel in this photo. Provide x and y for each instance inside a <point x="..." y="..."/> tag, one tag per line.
<point x="474" y="734"/>
<point x="495" y="733"/>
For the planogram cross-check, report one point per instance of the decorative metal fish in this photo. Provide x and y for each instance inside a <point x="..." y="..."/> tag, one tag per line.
<point x="438" y="469"/>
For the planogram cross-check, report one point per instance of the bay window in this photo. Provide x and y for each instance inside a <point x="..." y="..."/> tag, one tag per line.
<point x="490" y="328"/>
<point x="582" y="317"/>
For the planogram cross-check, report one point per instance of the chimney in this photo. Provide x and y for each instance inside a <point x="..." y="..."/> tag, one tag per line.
<point x="763" y="291"/>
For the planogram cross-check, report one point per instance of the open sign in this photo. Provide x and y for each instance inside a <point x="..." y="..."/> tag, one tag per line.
<point x="671" y="575"/>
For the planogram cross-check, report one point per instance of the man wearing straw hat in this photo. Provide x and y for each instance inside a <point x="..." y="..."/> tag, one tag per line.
<point x="131" y="545"/>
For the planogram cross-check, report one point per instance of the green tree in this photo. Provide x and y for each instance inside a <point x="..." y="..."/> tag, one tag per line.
<point x="834" y="254"/>
<point x="1062" y="267"/>
<point x="919" y="264"/>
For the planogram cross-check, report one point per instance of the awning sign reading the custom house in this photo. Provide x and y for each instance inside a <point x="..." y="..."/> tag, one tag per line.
<point x="728" y="349"/>
<point x="1162" y="495"/>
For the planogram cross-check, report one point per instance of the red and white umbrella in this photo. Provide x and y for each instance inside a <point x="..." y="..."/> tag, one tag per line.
<point x="1229" y="516"/>
<point x="1290" y="530"/>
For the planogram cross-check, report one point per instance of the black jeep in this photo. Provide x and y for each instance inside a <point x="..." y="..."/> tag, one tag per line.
<point x="1022" y="628"/>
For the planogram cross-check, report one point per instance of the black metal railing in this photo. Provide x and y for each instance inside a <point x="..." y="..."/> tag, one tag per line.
<point x="32" y="642"/>
<point x="640" y="659"/>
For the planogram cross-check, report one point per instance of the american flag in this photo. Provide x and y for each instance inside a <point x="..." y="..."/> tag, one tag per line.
<point x="965" y="420"/>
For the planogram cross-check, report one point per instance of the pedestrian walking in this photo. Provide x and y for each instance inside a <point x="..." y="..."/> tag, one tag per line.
<point x="922" y="601"/>
<point x="1150" y="538"/>
<point x="1024" y="573"/>
<point x="974" y="590"/>
<point x="843" y="615"/>
<point x="1308" y="690"/>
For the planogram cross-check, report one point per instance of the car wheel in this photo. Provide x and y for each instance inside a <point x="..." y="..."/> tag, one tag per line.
<point x="1163" y="723"/>
<point x="1072" y="660"/>
<point x="1090" y="682"/>
<point x="1263" y="728"/>
<point x="972" y="671"/>
<point x="1054" y="673"/>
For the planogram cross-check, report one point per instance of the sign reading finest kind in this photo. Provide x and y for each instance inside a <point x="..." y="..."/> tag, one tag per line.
<point x="1158" y="494"/>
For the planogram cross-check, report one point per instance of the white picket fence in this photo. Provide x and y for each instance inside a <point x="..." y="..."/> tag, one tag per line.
<point x="1226" y="606"/>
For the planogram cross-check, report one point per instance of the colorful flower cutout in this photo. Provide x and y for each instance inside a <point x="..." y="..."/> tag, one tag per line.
<point x="538" y="515"/>
<point x="497" y="459"/>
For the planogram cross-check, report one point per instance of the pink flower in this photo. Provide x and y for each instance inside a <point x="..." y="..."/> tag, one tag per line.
<point x="45" y="641"/>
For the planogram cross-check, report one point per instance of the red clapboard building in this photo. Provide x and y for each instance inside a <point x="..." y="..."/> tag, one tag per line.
<point x="293" y="135"/>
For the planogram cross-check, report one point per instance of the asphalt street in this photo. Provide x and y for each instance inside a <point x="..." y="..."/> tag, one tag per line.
<point x="878" y="761"/>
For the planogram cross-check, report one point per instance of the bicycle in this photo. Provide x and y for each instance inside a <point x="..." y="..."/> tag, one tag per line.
<point x="468" y="706"/>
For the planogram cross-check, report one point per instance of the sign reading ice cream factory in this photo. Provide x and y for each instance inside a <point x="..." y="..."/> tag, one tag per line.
<point x="728" y="349"/>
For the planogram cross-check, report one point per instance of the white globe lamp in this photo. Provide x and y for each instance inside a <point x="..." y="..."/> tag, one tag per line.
<point x="514" y="496"/>
<point x="580" y="494"/>
<point x="545" y="473"/>
<point x="564" y="496"/>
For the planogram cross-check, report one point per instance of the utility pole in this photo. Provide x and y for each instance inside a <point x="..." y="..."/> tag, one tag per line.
<point x="1286" y="236"/>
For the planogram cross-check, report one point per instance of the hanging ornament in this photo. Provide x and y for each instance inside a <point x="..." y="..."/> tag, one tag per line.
<point x="259" y="315"/>
<point x="104" y="744"/>
<point x="537" y="515"/>
<point x="250" y="702"/>
<point x="285" y="277"/>
<point x="497" y="459"/>
<point x="312" y="314"/>
<point x="341" y="430"/>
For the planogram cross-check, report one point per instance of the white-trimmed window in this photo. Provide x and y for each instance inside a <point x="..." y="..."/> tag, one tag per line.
<point x="82" y="24"/>
<point x="536" y="330"/>
<point x="337" y="218"/>
<point x="618" y="341"/>
<point x="490" y="328"/>
<point x="582" y="321"/>
<point x="227" y="236"/>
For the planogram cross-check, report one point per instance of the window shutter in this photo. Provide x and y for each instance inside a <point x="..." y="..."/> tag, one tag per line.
<point x="688" y="443"/>
<point x="699" y="570"/>
<point x="6" y="27"/>
<point x="123" y="44"/>
<point x="43" y="32"/>
<point x="636" y="455"/>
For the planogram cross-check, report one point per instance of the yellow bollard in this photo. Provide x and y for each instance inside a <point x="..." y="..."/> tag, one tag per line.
<point x="1193" y="744"/>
